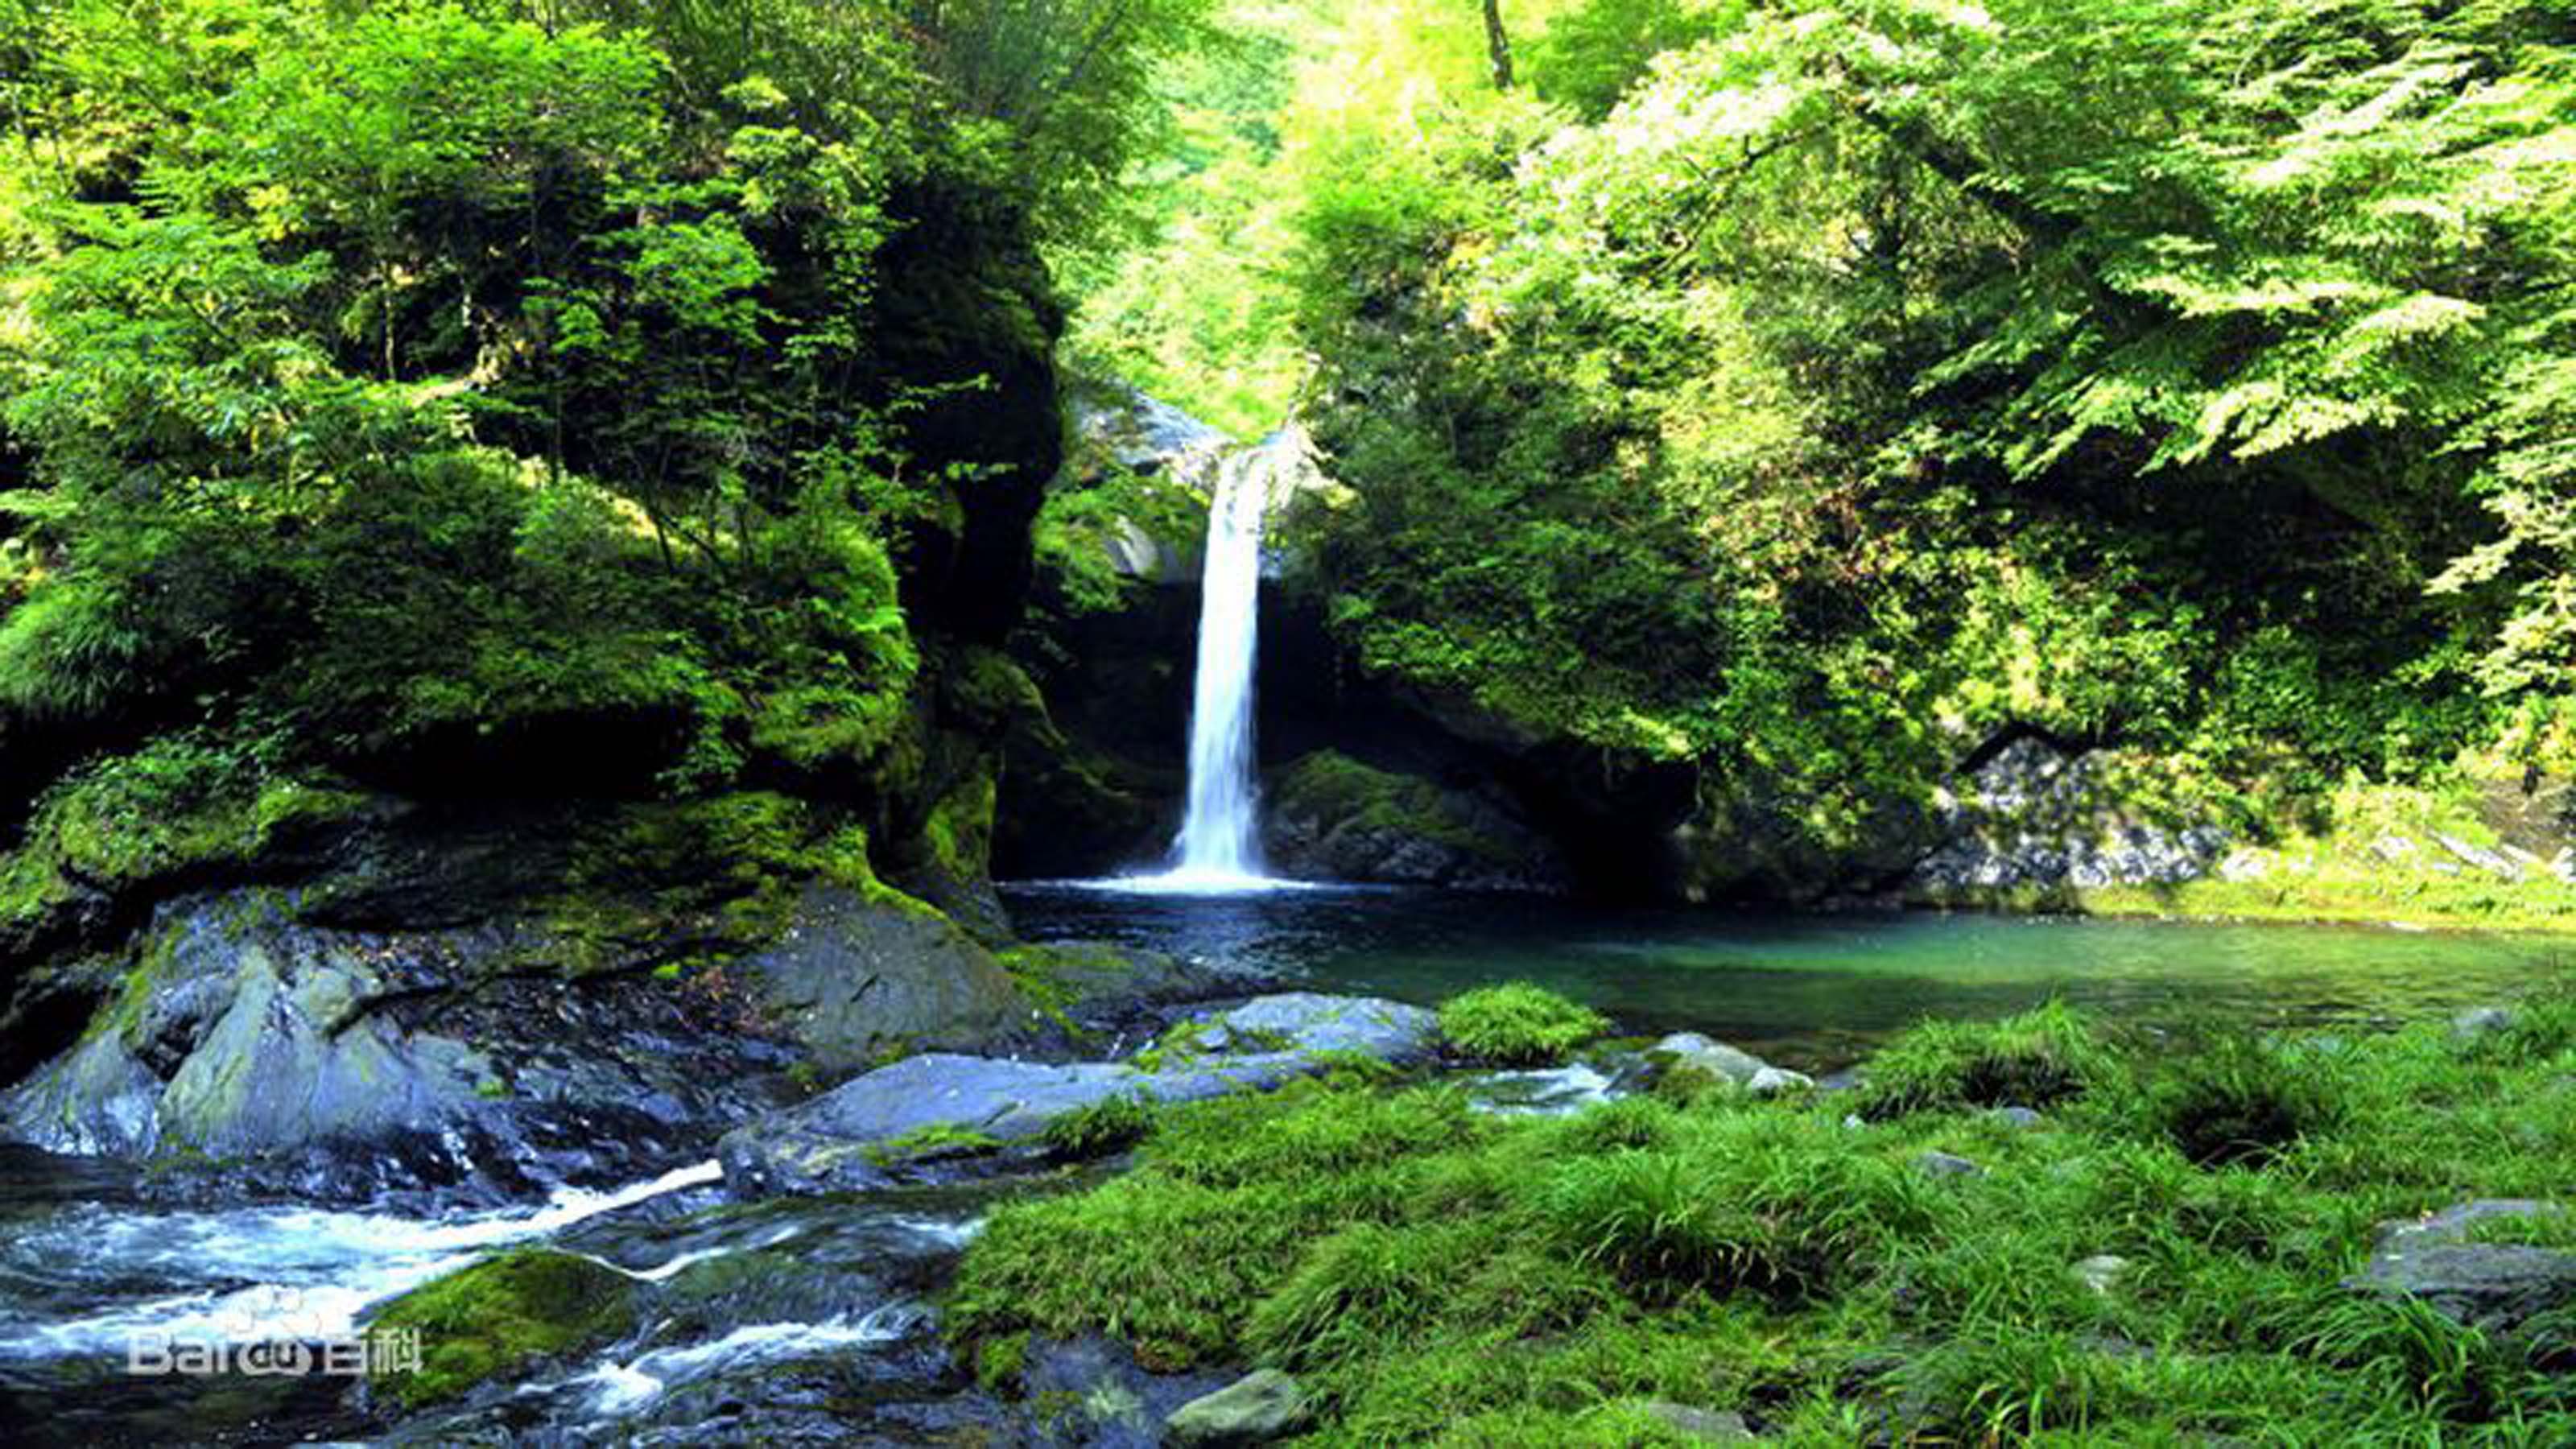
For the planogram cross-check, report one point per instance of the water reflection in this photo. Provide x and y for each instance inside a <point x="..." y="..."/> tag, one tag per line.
<point x="1815" y="990"/>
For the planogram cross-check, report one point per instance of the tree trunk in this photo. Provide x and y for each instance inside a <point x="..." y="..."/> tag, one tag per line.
<point x="1498" y="45"/>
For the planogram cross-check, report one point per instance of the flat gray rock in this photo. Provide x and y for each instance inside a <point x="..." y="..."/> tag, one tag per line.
<point x="2492" y="1286"/>
<point x="1309" y="1021"/>
<point x="858" y="1134"/>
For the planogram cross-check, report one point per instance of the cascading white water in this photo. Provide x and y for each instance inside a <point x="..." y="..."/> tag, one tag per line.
<point x="1218" y="828"/>
<point x="1219" y="847"/>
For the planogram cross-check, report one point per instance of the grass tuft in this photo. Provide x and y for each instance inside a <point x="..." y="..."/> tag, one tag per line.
<point x="1518" y="1025"/>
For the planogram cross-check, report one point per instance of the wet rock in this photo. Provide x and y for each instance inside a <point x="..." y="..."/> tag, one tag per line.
<point x="1947" y="1164"/>
<point x="2036" y="815"/>
<point x="867" y="1131"/>
<point x="1334" y="818"/>
<point x="249" y="1052"/>
<point x="2452" y="1224"/>
<point x="499" y="1318"/>
<point x="1690" y="1049"/>
<point x="1772" y="1081"/>
<point x="851" y="980"/>
<point x="1259" y="1407"/>
<point x="2487" y="1286"/>
<point x="1310" y="1021"/>
<point x="2480" y="1022"/>
<point x="1545" y="1091"/>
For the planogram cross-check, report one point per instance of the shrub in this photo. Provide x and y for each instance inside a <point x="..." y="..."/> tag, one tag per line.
<point x="1518" y="1025"/>
<point x="2032" y="1060"/>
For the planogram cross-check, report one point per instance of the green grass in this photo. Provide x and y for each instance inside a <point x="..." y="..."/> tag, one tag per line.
<point x="2036" y="1060"/>
<point x="1518" y="1025"/>
<point x="1437" y="1276"/>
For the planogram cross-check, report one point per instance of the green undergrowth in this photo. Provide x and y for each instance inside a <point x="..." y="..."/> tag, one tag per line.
<point x="1433" y="1274"/>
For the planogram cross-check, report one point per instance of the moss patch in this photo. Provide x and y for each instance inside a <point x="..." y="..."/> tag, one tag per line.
<point x="1339" y="793"/>
<point x="502" y="1316"/>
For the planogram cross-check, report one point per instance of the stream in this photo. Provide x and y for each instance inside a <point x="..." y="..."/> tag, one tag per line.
<point x="815" y="1318"/>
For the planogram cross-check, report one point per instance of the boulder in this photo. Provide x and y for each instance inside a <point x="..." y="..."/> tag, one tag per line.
<point x="1772" y="1081"/>
<point x="852" y="979"/>
<point x="1258" y="1408"/>
<point x="1705" y="1426"/>
<point x="2102" y="1272"/>
<point x="339" y="1062"/>
<point x="2452" y="1224"/>
<point x="2019" y="1119"/>
<point x="1946" y="1164"/>
<point x="1690" y="1049"/>
<point x="257" y="1052"/>
<point x="1334" y="818"/>
<point x="501" y="1317"/>
<point x="2480" y="1022"/>
<point x="1308" y="1021"/>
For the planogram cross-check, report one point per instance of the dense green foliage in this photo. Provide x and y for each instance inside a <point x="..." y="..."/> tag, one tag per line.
<point x="1811" y="390"/>
<point x="530" y="398"/>
<point x="1436" y="1275"/>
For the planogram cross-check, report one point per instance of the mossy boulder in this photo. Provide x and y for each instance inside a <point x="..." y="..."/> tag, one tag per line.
<point x="499" y="1319"/>
<point x="1332" y="817"/>
<point x="855" y="977"/>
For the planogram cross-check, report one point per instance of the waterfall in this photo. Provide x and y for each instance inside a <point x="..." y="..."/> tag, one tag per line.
<point x="1219" y="847"/>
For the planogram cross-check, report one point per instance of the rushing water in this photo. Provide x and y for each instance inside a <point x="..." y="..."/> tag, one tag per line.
<point x="1219" y="847"/>
<point x="1814" y="991"/>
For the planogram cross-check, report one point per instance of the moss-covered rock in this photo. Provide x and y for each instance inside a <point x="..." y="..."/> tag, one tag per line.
<point x="500" y="1318"/>
<point x="1334" y="817"/>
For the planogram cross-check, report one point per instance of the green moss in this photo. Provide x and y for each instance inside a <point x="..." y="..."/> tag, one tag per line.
<point x="939" y="1139"/>
<point x="711" y="877"/>
<point x="1186" y="1043"/>
<point x="501" y="1317"/>
<point x="1518" y="1024"/>
<point x="1332" y="788"/>
<point x="179" y="805"/>
<point x="1105" y="1127"/>
<point x="1053" y="976"/>
<point x="999" y="1362"/>
<point x="958" y="835"/>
